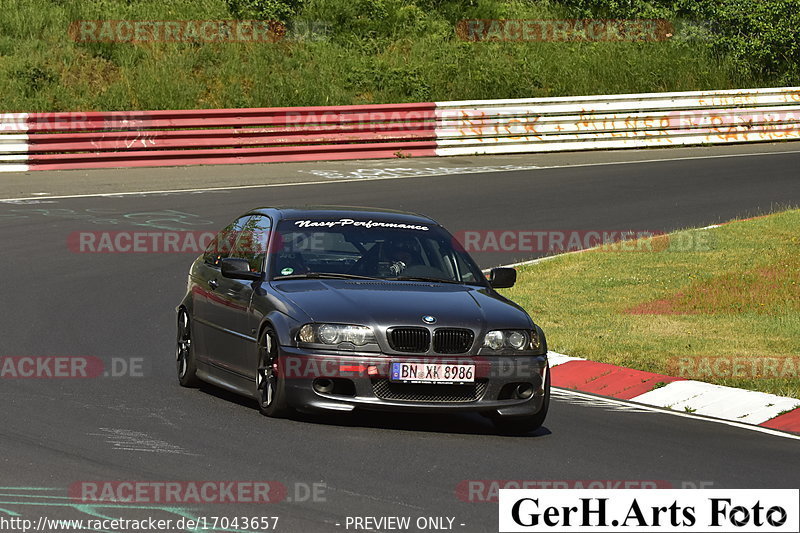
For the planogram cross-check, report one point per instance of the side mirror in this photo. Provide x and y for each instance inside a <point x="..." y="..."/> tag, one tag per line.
<point x="502" y="278"/>
<point x="235" y="268"/>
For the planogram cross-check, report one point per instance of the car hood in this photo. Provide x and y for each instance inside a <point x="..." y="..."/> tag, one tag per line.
<point x="400" y="303"/>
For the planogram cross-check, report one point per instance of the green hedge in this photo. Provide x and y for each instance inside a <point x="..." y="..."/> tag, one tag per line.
<point x="379" y="51"/>
<point x="761" y="36"/>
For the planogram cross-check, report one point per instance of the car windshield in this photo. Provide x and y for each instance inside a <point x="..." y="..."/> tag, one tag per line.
<point x="369" y="249"/>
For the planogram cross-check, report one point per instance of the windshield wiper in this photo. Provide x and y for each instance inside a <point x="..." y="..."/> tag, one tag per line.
<point x="323" y="275"/>
<point x="421" y="278"/>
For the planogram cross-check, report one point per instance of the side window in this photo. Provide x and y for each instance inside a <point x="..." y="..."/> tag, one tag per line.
<point x="223" y="243"/>
<point x="452" y="263"/>
<point x="466" y="273"/>
<point x="252" y="242"/>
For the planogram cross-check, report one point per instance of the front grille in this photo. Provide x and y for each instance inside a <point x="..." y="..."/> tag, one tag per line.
<point x="452" y="341"/>
<point x="424" y="393"/>
<point x="412" y="340"/>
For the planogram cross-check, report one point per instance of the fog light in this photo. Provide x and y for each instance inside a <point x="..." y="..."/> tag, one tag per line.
<point x="523" y="391"/>
<point x="323" y="385"/>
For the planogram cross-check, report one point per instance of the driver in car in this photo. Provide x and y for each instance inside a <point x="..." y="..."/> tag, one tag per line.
<point x="401" y="257"/>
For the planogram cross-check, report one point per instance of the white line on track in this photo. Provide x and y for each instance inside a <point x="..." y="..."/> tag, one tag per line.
<point x="650" y="408"/>
<point x="597" y="402"/>
<point x="482" y="170"/>
<point x="347" y="180"/>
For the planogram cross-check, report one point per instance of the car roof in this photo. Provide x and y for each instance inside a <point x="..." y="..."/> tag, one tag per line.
<point x="327" y="212"/>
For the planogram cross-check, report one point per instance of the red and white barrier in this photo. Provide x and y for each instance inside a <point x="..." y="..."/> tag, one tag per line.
<point x="55" y="141"/>
<point x="680" y="394"/>
<point x="58" y="141"/>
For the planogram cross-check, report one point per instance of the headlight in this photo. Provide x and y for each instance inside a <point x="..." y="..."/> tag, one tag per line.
<point x="536" y="340"/>
<point x="512" y="339"/>
<point x="516" y="340"/>
<point x="494" y="340"/>
<point x="329" y="334"/>
<point x="336" y="334"/>
<point x="307" y="334"/>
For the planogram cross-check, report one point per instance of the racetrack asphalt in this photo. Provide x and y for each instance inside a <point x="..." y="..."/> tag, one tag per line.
<point x="55" y="433"/>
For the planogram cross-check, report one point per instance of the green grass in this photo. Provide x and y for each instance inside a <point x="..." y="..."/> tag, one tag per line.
<point x="376" y="51"/>
<point x="735" y="296"/>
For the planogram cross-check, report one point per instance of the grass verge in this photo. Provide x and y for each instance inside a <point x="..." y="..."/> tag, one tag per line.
<point x="719" y="305"/>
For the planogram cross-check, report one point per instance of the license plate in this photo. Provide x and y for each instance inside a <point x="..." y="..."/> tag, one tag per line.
<point x="432" y="373"/>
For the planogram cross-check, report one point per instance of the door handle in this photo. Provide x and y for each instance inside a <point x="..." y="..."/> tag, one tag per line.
<point x="213" y="284"/>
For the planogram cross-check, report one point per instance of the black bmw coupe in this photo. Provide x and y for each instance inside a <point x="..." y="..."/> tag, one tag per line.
<point x="342" y="309"/>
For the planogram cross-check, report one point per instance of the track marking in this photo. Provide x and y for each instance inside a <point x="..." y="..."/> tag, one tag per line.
<point x="362" y="180"/>
<point x="136" y="441"/>
<point x="374" y="498"/>
<point x="650" y="408"/>
<point x="597" y="402"/>
<point x="247" y="187"/>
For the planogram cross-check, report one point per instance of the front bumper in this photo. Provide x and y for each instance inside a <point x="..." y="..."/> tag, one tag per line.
<point x="362" y="383"/>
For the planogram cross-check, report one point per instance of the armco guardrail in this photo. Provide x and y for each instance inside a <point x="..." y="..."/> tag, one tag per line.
<point x="618" y="121"/>
<point x="57" y="141"/>
<point x="51" y="141"/>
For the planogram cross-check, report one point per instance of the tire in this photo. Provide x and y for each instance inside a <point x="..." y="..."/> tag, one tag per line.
<point x="527" y="424"/>
<point x="270" y="385"/>
<point x="184" y="352"/>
